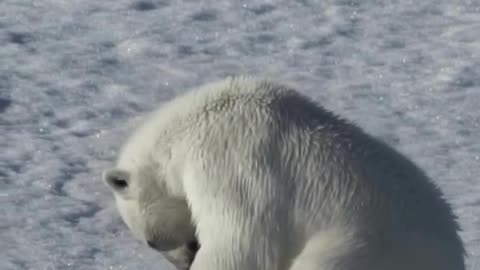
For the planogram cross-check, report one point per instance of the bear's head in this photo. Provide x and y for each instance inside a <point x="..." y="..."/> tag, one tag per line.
<point x="155" y="217"/>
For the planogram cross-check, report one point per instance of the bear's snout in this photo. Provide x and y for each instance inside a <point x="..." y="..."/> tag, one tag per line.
<point x="151" y="244"/>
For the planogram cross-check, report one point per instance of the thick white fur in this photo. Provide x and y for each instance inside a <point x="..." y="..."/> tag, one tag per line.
<point x="271" y="181"/>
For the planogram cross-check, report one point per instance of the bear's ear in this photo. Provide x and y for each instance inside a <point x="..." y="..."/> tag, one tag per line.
<point x="116" y="179"/>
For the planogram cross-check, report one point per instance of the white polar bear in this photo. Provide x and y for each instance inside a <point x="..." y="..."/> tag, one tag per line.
<point x="267" y="180"/>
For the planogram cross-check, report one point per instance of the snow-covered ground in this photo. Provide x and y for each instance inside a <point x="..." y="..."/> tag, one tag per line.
<point x="75" y="76"/>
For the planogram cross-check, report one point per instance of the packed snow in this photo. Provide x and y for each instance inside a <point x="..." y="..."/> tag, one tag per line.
<point x="76" y="76"/>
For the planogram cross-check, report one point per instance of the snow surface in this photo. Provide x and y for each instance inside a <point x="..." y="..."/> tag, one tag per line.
<point x="75" y="76"/>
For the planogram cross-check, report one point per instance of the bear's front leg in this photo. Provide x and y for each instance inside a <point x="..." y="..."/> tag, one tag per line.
<point x="222" y="257"/>
<point x="241" y="221"/>
<point x="236" y="240"/>
<point x="236" y="251"/>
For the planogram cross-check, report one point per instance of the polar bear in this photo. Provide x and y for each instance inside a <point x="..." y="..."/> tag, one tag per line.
<point x="248" y="173"/>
